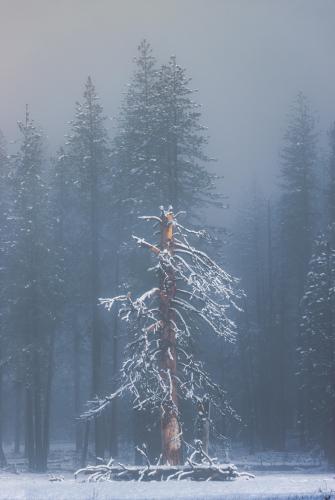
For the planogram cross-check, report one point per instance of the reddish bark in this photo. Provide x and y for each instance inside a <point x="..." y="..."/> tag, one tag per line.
<point x="170" y="428"/>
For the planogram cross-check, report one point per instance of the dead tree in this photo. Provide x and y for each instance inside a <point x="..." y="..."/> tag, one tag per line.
<point x="192" y="296"/>
<point x="171" y="443"/>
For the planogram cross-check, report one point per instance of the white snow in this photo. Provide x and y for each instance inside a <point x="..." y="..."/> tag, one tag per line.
<point x="271" y="486"/>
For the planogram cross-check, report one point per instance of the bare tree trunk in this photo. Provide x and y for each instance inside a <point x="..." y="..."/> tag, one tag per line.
<point x="113" y="442"/>
<point x="39" y="466"/>
<point x="17" y="415"/>
<point x="47" y="403"/>
<point x="170" y="427"/>
<point x="271" y="360"/>
<point x="249" y="383"/>
<point x="113" y="445"/>
<point x="329" y="431"/>
<point x="3" y="461"/>
<point x="77" y="388"/>
<point x="85" y="444"/>
<point x="282" y="357"/>
<point x="29" y="430"/>
<point x="99" y="437"/>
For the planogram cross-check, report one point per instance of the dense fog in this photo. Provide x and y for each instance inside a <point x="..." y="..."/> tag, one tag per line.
<point x="167" y="229"/>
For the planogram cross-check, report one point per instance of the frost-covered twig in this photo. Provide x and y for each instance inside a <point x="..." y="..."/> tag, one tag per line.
<point x="193" y="470"/>
<point x="202" y="301"/>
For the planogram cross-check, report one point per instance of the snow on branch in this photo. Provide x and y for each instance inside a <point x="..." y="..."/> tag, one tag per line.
<point x="198" y="467"/>
<point x="203" y="301"/>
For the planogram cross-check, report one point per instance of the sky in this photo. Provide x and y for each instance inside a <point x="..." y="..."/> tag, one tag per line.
<point x="248" y="58"/>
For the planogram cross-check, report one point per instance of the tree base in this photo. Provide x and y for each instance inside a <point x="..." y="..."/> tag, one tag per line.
<point x="191" y="471"/>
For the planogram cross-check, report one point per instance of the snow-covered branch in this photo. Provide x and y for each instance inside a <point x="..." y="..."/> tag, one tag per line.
<point x="205" y="295"/>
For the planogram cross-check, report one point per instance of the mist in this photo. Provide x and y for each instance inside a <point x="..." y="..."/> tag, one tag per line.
<point x="167" y="248"/>
<point x="247" y="58"/>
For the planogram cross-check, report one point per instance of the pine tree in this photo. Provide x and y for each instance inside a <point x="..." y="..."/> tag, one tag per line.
<point x="29" y="200"/>
<point x="64" y="178"/>
<point x="5" y="246"/>
<point x="158" y="154"/>
<point x="297" y="182"/>
<point x="159" y="148"/>
<point x="317" y="347"/>
<point x="37" y="288"/>
<point x="297" y="213"/>
<point x="135" y="148"/>
<point x="248" y="257"/>
<point x="136" y="187"/>
<point x="181" y="142"/>
<point x="88" y="156"/>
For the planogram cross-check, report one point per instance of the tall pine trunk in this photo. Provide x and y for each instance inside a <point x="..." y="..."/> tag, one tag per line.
<point x="29" y="429"/>
<point x="113" y="443"/>
<point x="77" y="388"/>
<point x="39" y="466"/>
<point x="17" y="415"/>
<point x="47" y="402"/>
<point x="170" y="427"/>
<point x="99" y="436"/>
<point x="3" y="461"/>
<point x="249" y="384"/>
<point x="113" y="439"/>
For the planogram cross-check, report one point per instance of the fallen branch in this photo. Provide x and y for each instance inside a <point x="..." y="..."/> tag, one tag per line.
<point x="191" y="470"/>
<point x="194" y="472"/>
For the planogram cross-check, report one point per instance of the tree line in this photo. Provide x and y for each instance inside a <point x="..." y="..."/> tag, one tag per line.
<point x="65" y="226"/>
<point x="285" y="257"/>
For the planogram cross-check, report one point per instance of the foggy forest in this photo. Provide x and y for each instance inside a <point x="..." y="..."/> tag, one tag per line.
<point x="167" y="249"/>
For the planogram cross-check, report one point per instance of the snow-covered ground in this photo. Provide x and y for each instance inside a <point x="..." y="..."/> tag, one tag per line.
<point x="274" y="460"/>
<point x="279" y="475"/>
<point x="265" y="485"/>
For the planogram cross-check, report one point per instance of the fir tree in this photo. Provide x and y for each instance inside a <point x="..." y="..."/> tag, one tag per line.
<point x="158" y="154"/>
<point x="181" y="141"/>
<point x="159" y="148"/>
<point x="297" y="182"/>
<point x="88" y="156"/>
<point x="317" y="347"/>
<point x="37" y="288"/>
<point x="297" y="214"/>
<point x="135" y="148"/>
<point x="5" y="253"/>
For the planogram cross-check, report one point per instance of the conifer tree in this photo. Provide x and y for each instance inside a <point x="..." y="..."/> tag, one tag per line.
<point x="181" y="141"/>
<point x="158" y="154"/>
<point x="5" y="246"/>
<point x="297" y="182"/>
<point x="37" y="288"/>
<point x="159" y="148"/>
<point x="135" y="145"/>
<point x="297" y="214"/>
<point x="87" y="154"/>
<point x="317" y="347"/>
